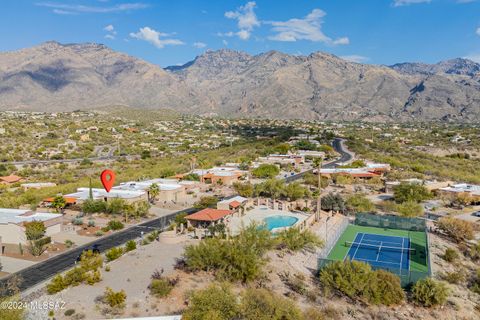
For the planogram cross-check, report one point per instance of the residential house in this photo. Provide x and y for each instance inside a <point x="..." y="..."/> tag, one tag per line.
<point x="12" y="229"/>
<point x="170" y="189"/>
<point x="83" y="194"/>
<point x="10" y="179"/>
<point x="233" y="204"/>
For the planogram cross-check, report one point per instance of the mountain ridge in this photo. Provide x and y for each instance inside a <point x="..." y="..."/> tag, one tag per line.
<point x="62" y="77"/>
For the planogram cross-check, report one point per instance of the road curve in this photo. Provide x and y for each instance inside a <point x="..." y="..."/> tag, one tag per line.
<point x="339" y="146"/>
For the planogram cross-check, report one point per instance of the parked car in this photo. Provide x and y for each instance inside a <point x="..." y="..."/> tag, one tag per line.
<point x="476" y="214"/>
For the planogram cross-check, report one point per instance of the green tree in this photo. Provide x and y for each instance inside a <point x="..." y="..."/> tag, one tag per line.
<point x="206" y="202"/>
<point x="273" y="188"/>
<point x="293" y="239"/>
<point x="333" y="202"/>
<point x="294" y="191"/>
<point x="34" y="230"/>
<point x="94" y="206"/>
<point x="266" y="171"/>
<point x="59" y="203"/>
<point x="116" y="206"/>
<point x="409" y="209"/>
<point x="359" y="203"/>
<point x="243" y="189"/>
<point x="410" y="192"/>
<point x="153" y="192"/>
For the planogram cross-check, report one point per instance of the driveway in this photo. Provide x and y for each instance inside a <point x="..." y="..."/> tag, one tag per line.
<point x="13" y="264"/>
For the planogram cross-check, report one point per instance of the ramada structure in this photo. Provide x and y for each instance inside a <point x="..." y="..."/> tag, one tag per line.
<point x="208" y="217"/>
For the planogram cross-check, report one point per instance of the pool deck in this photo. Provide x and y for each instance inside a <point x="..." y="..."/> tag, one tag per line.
<point x="257" y="214"/>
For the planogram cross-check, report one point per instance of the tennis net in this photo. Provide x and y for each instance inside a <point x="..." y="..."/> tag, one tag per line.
<point x="379" y="247"/>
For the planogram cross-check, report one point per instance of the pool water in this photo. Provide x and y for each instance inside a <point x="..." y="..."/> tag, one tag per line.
<point x="279" y="222"/>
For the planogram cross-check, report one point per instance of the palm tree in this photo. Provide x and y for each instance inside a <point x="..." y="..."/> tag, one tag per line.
<point x="153" y="192"/>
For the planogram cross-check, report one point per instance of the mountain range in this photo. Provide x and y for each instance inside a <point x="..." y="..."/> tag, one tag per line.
<point x="64" y="77"/>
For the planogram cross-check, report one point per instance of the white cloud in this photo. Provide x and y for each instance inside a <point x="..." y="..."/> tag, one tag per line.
<point x="478" y="31"/>
<point x="111" y="32"/>
<point x="154" y="37"/>
<point x="199" y="45"/>
<point x="343" y="40"/>
<point x="400" y="3"/>
<point x="109" y="28"/>
<point x="355" y="58"/>
<point x="246" y="19"/>
<point x="474" y="57"/>
<point x="62" y="12"/>
<point x="225" y="42"/>
<point x="78" y="8"/>
<point x="308" y="28"/>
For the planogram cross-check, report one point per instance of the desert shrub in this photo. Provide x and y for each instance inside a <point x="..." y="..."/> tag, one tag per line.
<point x="91" y="223"/>
<point x="359" y="203"/>
<point x="295" y="283"/>
<point x="115" y="206"/>
<point x="56" y="285"/>
<point x="114" y="299"/>
<point x="8" y="312"/>
<point x="115" y="225"/>
<point x="99" y="233"/>
<point x="456" y="229"/>
<point x="313" y="314"/>
<point x="94" y="206"/>
<point x="160" y="287"/>
<point x="214" y="302"/>
<point x="333" y="202"/>
<point x="450" y="255"/>
<point x="90" y="261"/>
<point x="235" y="259"/>
<point x="263" y="304"/>
<point x="77" y="221"/>
<point x="293" y="239"/>
<point x="114" y="253"/>
<point x="243" y="189"/>
<point x="428" y="292"/>
<point x="409" y="209"/>
<point x="130" y="245"/>
<point x="69" y="312"/>
<point x="93" y="277"/>
<point x="74" y="277"/>
<point x="357" y="280"/>
<point x="454" y="277"/>
<point x="69" y="243"/>
<point x="475" y="282"/>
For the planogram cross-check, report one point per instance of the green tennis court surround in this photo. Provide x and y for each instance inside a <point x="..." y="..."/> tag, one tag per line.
<point x="413" y="231"/>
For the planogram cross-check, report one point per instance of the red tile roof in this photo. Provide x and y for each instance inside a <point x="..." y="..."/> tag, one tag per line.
<point x="235" y="204"/>
<point x="11" y="178"/>
<point x="208" y="214"/>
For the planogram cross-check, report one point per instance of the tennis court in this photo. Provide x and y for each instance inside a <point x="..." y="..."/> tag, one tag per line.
<point x="381" y="251"/>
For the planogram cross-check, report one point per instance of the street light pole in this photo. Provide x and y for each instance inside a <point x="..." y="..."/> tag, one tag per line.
<point x="319" y="199"/>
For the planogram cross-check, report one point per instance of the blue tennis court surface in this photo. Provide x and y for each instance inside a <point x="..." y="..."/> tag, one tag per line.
<point x="386" y="252"/>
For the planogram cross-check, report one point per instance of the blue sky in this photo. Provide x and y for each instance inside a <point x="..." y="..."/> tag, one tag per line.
<point x="174" y="32"/>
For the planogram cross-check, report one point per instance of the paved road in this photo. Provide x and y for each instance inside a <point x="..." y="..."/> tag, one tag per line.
<point x="48" y="268"/>
<point x="345" y="156"/>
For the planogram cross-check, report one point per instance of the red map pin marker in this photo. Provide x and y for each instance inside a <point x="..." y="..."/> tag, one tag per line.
<point x="108" y="178"/>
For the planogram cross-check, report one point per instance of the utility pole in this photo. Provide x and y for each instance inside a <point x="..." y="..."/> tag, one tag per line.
<point x="319" y="199"/>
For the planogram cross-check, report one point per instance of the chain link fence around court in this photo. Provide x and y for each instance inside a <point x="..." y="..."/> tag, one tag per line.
<point x="333" y="232"/>
<point x="407" y="277"/>
<point x="390" y="222"/>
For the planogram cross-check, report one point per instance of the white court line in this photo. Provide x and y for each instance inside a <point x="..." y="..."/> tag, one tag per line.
<point x="379" y="250"/>
<point x="346" y="254"/>
<point x="355" y="253"/>
<point x="401" y="255"/>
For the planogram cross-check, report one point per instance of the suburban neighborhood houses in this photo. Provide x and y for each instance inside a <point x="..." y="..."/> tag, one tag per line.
<point x="170" y="205"/>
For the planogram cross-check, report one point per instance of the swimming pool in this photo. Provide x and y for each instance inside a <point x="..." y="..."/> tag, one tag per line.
<point x="274" y="222"/>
